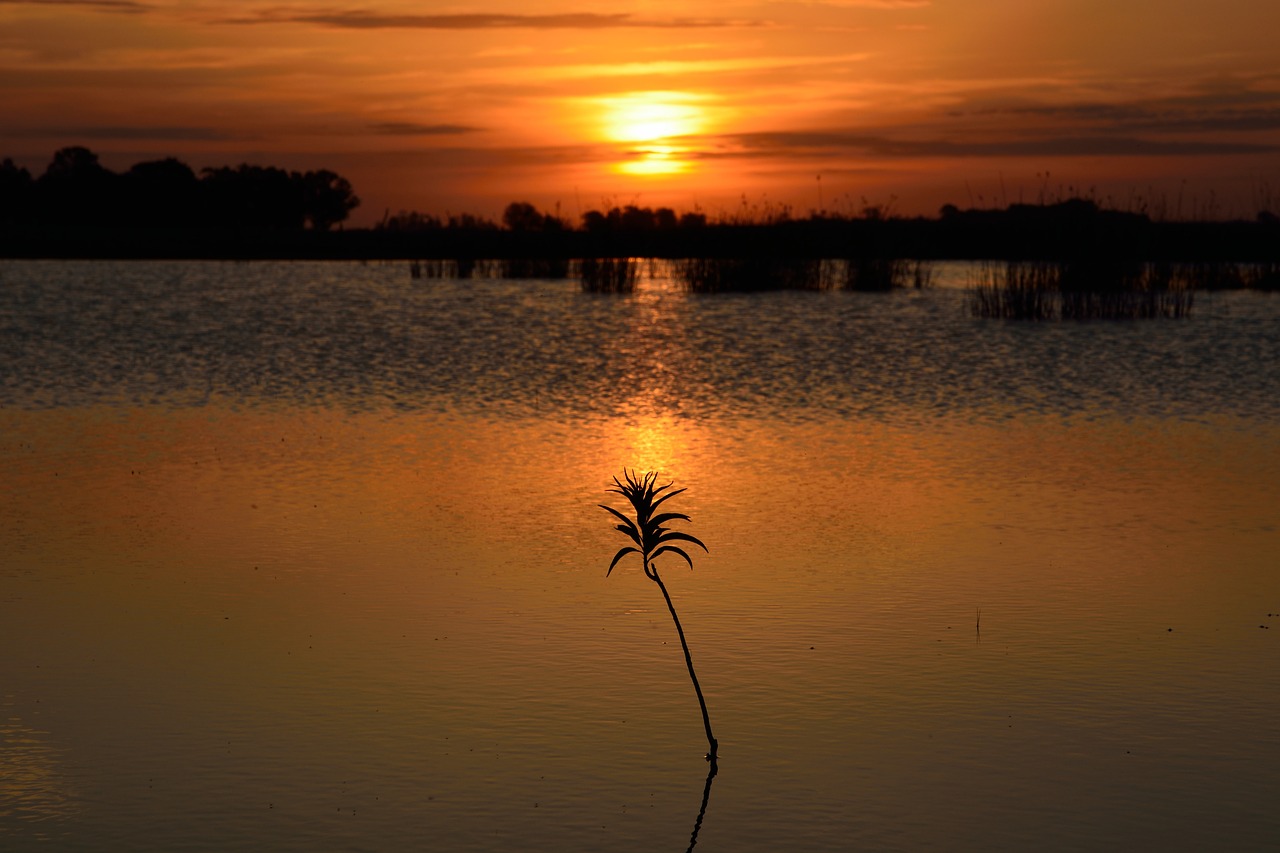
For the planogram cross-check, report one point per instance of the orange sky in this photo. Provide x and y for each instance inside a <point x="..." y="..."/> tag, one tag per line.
<point x="439" y="106"/>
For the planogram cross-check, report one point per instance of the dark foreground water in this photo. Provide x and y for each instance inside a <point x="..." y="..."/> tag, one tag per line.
<point x="307" y="556"/>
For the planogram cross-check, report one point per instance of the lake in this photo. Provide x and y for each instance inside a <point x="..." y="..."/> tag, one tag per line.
<point x="307" y="556"/>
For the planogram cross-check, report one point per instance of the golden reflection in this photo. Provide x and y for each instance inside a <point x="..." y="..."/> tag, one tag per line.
<point x="31" y="785"/>
<point x="652" y="443"/>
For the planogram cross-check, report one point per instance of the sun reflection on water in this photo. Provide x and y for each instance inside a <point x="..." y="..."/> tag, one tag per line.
<point x="653" y="443"/>
<point x="31" y="786"/>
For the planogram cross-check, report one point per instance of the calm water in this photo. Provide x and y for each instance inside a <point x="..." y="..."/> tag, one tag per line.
<point x="307" y="557"/>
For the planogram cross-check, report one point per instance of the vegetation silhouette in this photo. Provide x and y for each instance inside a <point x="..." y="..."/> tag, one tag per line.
<point x="77" y="191"/>
<point x="653" y="539"/>
<point x="1089" y="290"/>
<point x="608" y="275"/>
<point x="163" y="208"/>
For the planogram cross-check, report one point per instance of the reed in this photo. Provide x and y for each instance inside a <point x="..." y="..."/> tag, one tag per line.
<point x="871" y="274"/>
<point x="608" y="275"/>
<point x="881" y="274"/>
<point x="1264" y="276"/>
<point x="441" y="268"/>
<point x="1048" y="290"/>
<point x="1021" y="290"/>
<point x="749" y="274"/>
<point x="523" y="268"/>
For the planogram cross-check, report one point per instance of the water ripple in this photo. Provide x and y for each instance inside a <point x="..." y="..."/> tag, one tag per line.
<point x="367" y="337"/>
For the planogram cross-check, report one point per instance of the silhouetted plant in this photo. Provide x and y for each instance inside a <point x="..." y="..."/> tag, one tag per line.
<point x="870" y="273"/>
<point x="1263" y="276"/>
<point x="522" y="268"/>
<point x="608" y="275"/>
<point x="749" y="274"/>
<point x="1048" y="290"/>
<point x="1019" y="291"/>
<point x="653" y="539"/>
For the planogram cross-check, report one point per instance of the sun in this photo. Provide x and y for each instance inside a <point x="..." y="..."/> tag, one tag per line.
<point x="653" y="125"/>
<point x="651" y="116"/>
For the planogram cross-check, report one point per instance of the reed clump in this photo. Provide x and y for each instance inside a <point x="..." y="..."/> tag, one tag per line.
<point x="441" y="268"/>
<point x="1263" y="276"/>
<point x="608" y="275"/>
<point x="1075" y="290"/>
<point x="872" y="274"/>
<point x="1021" y="290"/>
<point x="524" y="268"/>
<point x="749" y="274"/>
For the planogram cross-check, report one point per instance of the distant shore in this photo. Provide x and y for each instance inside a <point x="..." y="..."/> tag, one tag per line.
<point x="1021" y="233"/>
<point x="162" y="209"/>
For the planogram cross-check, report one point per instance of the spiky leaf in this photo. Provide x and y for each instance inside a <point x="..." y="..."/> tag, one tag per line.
<point x="618" y="556"/>
<point x="673" y="549"/>
<point x="648" y="528"/>
<point x="685" y="537"/>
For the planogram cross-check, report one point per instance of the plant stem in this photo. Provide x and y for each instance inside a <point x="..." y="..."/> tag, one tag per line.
<point x="652" y="572"/>
<point x="702" y="812"/>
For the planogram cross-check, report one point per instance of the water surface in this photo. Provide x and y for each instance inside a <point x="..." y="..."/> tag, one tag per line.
<point x="306" y="556"/>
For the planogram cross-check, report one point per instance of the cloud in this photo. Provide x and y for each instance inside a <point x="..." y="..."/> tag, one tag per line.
<point x="89" y="132"/>
<point x="121" y="6"/>
<point x="1165" y="119"/>
<point x="406" y="128"/>
<point x="863" y="4"/>
<point x="363" y="19"/>
<point x="688" y="67"/>
<point x="828" y="143"/>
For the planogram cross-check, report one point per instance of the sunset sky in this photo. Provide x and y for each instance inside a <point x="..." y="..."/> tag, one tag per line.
<point x="439" y="107"/>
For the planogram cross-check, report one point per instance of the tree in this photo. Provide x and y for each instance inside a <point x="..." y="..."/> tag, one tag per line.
<point x="76" y="189"/>
<point x="522" y="216"/>
<point x="16" y="187"/>
<point x="160" y="193"/>
<point x="74" y="163"/>
<point x="253" y="197"/>
<point x="327" y="198"/>
<point x="653" y="539"/>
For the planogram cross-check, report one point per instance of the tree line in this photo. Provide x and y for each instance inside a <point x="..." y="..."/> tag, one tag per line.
<point x="76" y="190"/>
<point x="163" y="208"/>
<point x="521" y="217"/>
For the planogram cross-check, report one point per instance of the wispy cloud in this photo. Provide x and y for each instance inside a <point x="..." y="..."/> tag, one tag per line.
<point x="862" y="4"/>
<point x="686" y="67"/>
<point x="820" y="143"/>
<point x="406" y="128"/>
<point x="122" y="6"/>
<point x="122" y="132"/>
<point x="364" y="19"/>
<point x="1164" y="119"/>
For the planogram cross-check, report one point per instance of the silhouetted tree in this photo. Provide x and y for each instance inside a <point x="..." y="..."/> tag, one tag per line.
<point x="76" y="189"/>
<point x="254" y="198"/>
<point x="75" y="163"/>
<point x="631" y="218"/>
<point x="594" y="222"/>
<point x="327" y="198"/>
<point x="16" y="193"/>
<point x="161" y="193"/>
<point x="524" y="217"/>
